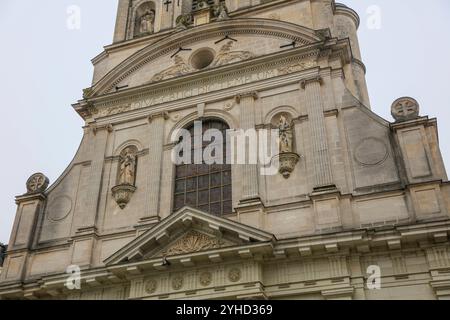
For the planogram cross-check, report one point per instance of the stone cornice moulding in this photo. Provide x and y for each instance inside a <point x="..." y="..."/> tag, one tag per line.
<point x="215" y="96"/>
<point x="164" y="88"/>
<point x="309" y="245"/>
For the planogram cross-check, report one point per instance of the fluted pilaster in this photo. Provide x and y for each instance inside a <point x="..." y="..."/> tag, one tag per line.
<point x="95" y="176"/>
<point x="323" y="177"/>
<point x="247" y="121"/>
<point x="153" y="173"/>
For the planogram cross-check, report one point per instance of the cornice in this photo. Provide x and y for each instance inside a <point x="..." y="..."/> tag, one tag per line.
<point x="124" y="99"/>
<point x="318" y="245"/>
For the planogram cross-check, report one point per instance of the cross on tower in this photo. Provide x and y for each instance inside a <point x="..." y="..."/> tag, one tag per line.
<point x="167" y="3"/>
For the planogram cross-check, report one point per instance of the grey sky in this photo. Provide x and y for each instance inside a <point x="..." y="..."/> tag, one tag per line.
<point x="44" y="67"/>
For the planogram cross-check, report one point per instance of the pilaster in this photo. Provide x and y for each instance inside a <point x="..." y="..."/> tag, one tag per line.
<point x="249" y="171"/>
<point x="323" y="178"/>
<point x="29" y="207"/>
<point x="154" y="170"/>
<point x="100" y="137"/>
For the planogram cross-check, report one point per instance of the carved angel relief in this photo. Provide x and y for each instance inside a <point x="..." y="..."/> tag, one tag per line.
<point x="194" y="242"/>
<point x="181" y="68"/>
<point x="226" y="56"/>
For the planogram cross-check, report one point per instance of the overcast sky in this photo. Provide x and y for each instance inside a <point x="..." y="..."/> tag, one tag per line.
<point x="44" y="66"/>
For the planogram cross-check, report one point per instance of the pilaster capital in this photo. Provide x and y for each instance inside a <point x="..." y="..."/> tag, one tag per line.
<point x="95" y="128"/>
<point x="164" y="115"/>
<point x="308" y="81"/>
<point x="252" y="94"/>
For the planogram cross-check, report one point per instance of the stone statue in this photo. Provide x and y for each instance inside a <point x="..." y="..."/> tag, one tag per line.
<point x="147" y="24"/>
<point x="286" y="135"/>
<point x="127" y="172"/>
<point x="184" y="21"/>
<point x="221" y="11"/>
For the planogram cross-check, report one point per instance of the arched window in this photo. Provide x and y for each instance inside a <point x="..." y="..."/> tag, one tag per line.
<point x="202" y="186"/>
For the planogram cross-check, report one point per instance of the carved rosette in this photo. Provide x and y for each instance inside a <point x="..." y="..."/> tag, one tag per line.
<point x="37" y="183"/>
<point x="234" y="275"/>
<point x="205" y="279"/>
<point x="151" y="286"/>
<point x="122" y="194"/>
<point x="287" y="162"/>
<point x="178" y="282"/>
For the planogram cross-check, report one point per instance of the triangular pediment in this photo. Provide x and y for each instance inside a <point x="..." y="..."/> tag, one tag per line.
<point x="189" y="231"/>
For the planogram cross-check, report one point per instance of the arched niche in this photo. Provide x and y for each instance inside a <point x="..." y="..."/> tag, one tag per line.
<point x="143" y="19"/>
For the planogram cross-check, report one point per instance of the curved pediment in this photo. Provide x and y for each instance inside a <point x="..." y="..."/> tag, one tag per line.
<point x="228" y="42"/>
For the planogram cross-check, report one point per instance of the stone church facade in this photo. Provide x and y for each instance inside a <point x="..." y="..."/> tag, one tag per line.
<point x="356" y="200"/>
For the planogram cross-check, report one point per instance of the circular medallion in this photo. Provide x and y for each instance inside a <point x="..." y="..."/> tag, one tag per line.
<point x="405" y="109"/>
<point x="371" y="152"/>
<point x="205" y="279"/>
<point x="60" y="208"/>
<point x="37" y="183"/>
<point x="234" y="275"/>
<point x="177" y="282"/>
<point x="151" y="286"/>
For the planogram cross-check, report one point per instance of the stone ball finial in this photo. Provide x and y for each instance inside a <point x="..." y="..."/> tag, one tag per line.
<point x="405" y="109"/>
<point x="37" y="183"/>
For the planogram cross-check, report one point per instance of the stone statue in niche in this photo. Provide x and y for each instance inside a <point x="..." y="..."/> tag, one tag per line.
<point x="127" y="173"/>
<point x="126" y="177"/>
<point x="221" y="11"/>
<point x="287" y="159"/>
<point x="147" y="22"/>
<point x="286" y="136"/>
